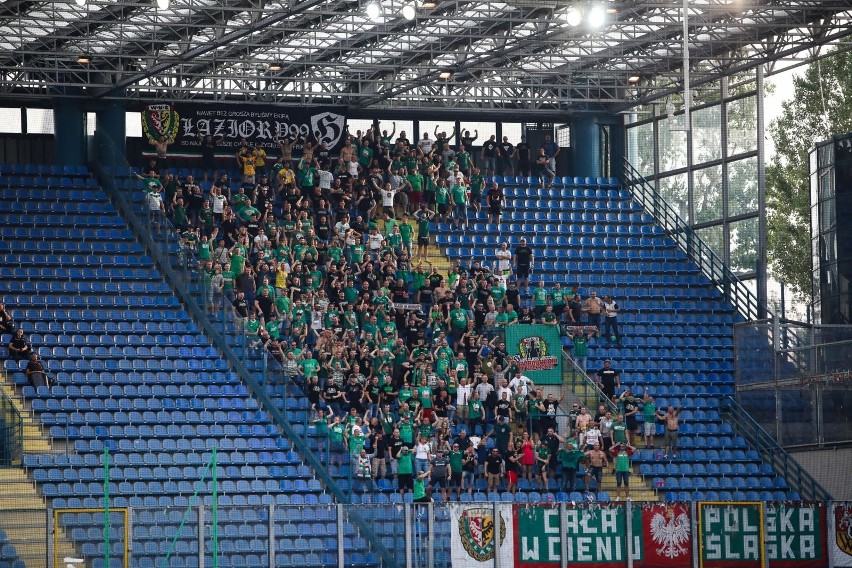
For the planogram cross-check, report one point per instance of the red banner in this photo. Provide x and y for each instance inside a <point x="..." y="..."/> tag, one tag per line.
<point x="662" y="535"/>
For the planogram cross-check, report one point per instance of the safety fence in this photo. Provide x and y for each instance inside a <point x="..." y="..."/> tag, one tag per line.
<point x="706" y="534"/>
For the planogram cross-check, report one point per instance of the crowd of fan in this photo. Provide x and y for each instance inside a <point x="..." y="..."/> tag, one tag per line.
<point x="319" y="263"/>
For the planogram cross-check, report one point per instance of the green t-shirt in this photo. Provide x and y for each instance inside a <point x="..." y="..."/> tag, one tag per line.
<point x="458" y="317"/>
<point x="649" y="412"/>
<point x="540" y="296"/>
<point x="419" y="489"/>
<point x="406" y="230"/>
<point x="570" y="458"/>
<point x="456" y="461"/>
<point x="459" y="194"/>
<point x="622" y="461"/>
<point x="581" y="346"/>
<point x="405" y="463"/>
<point x="441" y="195"/>
<point x="619" y="432"/>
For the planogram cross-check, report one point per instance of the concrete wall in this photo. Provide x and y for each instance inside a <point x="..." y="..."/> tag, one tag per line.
<point x="831" y="468"/>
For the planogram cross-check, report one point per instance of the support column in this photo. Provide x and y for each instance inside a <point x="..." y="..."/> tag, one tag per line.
<point x="762" y="292"/>
<point x="585" y="147"/>
<point x="110" y="134"/>
<point x="69" y="127"/>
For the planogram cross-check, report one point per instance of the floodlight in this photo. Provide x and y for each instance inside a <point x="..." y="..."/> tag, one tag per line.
<point x="374" y="10"/>
<point x="634" y="79"/>
<point x="445" y="75"/>
<point x="163" y="4"/>
<point x="574" y="17"/>
<point x="84" y="59"/>
<point x="408" y="12"/>
<point x="597" y="17"/>
<point x="80" y="2"/>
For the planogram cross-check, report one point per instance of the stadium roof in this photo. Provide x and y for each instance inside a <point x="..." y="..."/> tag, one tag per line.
<point x="454" y="54"/>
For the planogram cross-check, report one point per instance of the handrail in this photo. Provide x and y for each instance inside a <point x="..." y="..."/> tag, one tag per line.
<point x="771" y="452"/>
<point x="699" y="252"/>
<point x="575" y="376"/>
<point x="105" y="167"/>
<point x="12" y="432"/>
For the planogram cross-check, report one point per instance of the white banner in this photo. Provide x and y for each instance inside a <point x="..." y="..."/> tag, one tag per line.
<point x="473" y="531"/>
<point x="840" y="535"/>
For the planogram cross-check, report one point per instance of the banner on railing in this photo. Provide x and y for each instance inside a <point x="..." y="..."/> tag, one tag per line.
<point x="795" y="535"/>
<point x="730" y="534"/>
<point x="536" y="351"/>
<point x="841" y="535"/>
<point x="258" y="125"/>
<point x="662" y="535"/>
<point x="477" y="536"/>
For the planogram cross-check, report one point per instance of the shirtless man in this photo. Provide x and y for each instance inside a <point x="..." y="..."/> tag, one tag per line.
<point x="670" y="417"/>
<point x="597" y="462"/>
<point x="347" y="152"/>
<point x="582" y="422"/>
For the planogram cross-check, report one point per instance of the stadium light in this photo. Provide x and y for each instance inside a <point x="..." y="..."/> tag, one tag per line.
<point x="409" y="12"/>
<point x="163" y="4"/>
<point x="80" y="3"/>
<point x="374" y="10"/>
<point x="597" y="17"/>
<point x="574" y="17"/>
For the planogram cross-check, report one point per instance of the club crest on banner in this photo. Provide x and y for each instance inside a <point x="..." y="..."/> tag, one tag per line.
<point x="477" y="533"/>
<point x="160" y="123"/>
<point x="328" y="127"/>
<point x="843" y="528"/>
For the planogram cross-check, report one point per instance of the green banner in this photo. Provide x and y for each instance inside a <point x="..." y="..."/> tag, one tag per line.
<point x="594" y="534"/>
<point x="796" y="535"/>
<point x="536" y="351"/>
<point x="731" y="535"/>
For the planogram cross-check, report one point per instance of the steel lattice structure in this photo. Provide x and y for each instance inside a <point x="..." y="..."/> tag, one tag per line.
<point x="502" y="56"/>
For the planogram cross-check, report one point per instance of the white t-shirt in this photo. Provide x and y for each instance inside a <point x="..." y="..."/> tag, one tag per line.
<point x="387" y="197"/>
<point x="463" y="393"/>
<point x="218" y="203"/>
<point x="325" y="179"/>
<point x="520" y="385"/>
<point x="375" y="241"/>
<point x="155" y="200"/>
<point x="504" y="259"/>
<point x="425" y="145"/>
<point x="421" y="451"/>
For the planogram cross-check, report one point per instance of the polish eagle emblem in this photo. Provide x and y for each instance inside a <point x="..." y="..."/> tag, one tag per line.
<point x="670" y="532"/>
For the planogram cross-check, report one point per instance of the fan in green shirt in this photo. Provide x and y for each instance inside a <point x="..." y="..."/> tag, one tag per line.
<point x="540" y="296"/>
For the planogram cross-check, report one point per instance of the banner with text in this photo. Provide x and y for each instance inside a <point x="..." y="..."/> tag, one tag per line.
<point x="595" y="534"/>
<point x="795" y="535"/>
<point x="536" y="351"/>
<point x="841" y="535"/>
<point x="476" y="536"/>
<point x="259" y="125"/>
<point x="730" y="534"/>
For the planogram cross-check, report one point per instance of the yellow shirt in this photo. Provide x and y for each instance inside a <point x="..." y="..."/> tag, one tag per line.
<point x="248" y="165"/>
<point x="259" y="155"/>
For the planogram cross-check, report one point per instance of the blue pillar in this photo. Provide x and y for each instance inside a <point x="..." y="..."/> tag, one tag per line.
<point x="69" y="127"/>
<point x="110" y="134"/>
<point x="586" y="146"/>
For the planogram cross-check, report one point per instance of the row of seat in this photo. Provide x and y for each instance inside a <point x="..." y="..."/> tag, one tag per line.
<point x="739" y="495"/>
<point x="715" y="483"/>
<point x="35" y="207"/>
<point x="73" y="247"/>
<point x="65" y="233"/>
<point x="74" y="221"/>
<point x="698" y="455"/>
<point x="48" y="192"/>
<point x="563" y="191"/>
<point x="146" y="378"/>
<point x="43" y="169"/>
<point x="64" y="260"/>
<point x="80" y="273"/>
<point x="76" y="288"/>
<point x="131" y="474"/>
<point x="16" y="182"/>
<point x="673" y="469"/>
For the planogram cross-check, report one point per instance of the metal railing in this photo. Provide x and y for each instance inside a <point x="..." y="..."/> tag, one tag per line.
<point x="699" y="252"/>
<point x="784" y="465"/>
<point x="11" y="432"/>
<point x="162" y="242"/>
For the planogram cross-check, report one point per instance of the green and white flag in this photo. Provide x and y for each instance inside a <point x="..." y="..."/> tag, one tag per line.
<point x="481" y="532"/>
<point x="537" y="352"/>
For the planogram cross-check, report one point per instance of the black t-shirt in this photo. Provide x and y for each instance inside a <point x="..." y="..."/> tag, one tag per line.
<point x="314" y="391"/>
<point x="503" y="407"/>
<point x="524" y="255"/>
<point x="464" y="443"/>
<point x="489" y="148"/>
<point x="523" y="152"/>
<point x="608" y="377"/>
<point x="493" y="463"/>
<point x="506" y="148"/>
